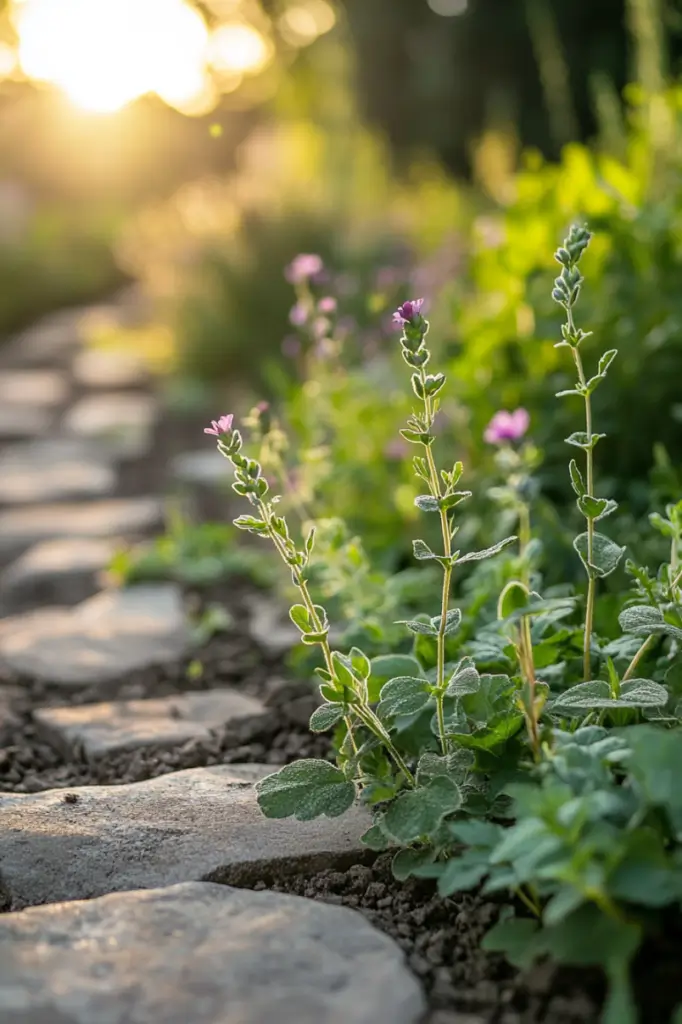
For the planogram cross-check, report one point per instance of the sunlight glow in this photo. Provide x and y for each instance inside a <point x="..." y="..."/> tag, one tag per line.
<point x="103" y="55"/>
<point x="239" y="48"/>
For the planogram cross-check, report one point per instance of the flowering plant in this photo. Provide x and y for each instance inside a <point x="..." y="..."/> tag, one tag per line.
<point x="536" y="757"/>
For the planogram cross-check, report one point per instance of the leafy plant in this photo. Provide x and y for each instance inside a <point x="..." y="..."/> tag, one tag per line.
<point x="528" y="753"/>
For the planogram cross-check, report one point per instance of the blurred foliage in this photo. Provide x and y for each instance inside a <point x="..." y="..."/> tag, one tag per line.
<point x="504" y="326"/>
<point x="52" y="258"/>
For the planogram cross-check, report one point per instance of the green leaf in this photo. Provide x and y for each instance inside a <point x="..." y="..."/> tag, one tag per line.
<point x="375" y="839"/>
<point x="477" y="556"/>
<point x="325" y="717"/>
<point x="514" y="598"/>
<point x="418" y="628"/>
<point x="427" y="503"/>
<point x="606" y="361"/>
<point x="305" y="790"/>
<point x="314" y="638"/>
<point x="419" y="812"/>
<point x="300" y="617"/>
<point x="596" y="508"/>
<point x="463" y="873"/>
<point x="465" y="679"/>
<point x="513" y="937"/>
<point x="454" y="765"/>
<point x="389" y="666"/>
<point x="453" y="620"/>
<point x="251" y="524"/>
<point x="417" y="437"/>
<point x="407" y="862"/>
<point x="449" y="501"/>
<point x="587" y="442"/>
<point x="403" y="696"/>
<point x="644" y="620"/>
<point x="605" y="554"/>
<point x="422" y="551"/>
<point x="634" y="693"/>
<point x="360" y="663"/>
<point x="655" y="765"/>
<point x="577" y="481"/>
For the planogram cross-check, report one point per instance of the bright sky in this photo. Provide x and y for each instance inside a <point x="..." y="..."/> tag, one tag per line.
<point x="105" y="53"/>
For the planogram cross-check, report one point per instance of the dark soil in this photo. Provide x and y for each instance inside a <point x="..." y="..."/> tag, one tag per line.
<point x="441" y="939"/>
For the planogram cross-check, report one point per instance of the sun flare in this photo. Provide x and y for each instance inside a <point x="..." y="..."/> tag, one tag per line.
<point x="103" y="55"/>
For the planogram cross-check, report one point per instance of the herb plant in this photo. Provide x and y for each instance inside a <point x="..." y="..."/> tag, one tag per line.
<point x="533" y="757"/>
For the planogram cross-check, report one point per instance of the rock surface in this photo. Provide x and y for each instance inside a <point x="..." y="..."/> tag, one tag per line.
<point x="20" y="423"/>
<point x="21" y="527"/>
<point x="109" y="368"/>
<point x="104" y="728"/>
<point x="53" y="470"/>
<point x="192" y="825"/>
<point x="199" y="953"/>
<point x="207" y="468"/>
<point x="102" y="639"/>
<point x="120" y="421"/>
<point x="55" y="572"/>
<point x="34" y="389"/>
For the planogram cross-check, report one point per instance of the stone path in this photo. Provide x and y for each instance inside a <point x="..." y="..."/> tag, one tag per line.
<point x="157" y="941"/>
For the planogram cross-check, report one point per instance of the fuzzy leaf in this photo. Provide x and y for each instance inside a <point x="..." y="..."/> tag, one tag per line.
<point x="427" y="503"/>
<point x="643" y="620"/>
<point x="453" y="620"/>
<point x="403" y="696"/>
<point x="417" y="437"/>
<point x="325" y="717"/>
<point x="577" y="481"/>
<point x="389" y="666"/>
<point x="465" y="679"/>
<point x="251" y="524"/>
<point x="606" y="361"/>
<point x="300" y="617"/>
<point x="451" y="500"/>
<point x="419" y="812"/>
<point x="418" y="628"/>
<point x="305" y="790"/>
<point x="454" y="765"/>
<point x="605" y="554"/>
<point x="375" y="839"/>
<point x="463" y="873"/>
<point x="596" y="508"/>
<point x="360" y="663"/>
<point x="422" y="551"/>
<point x="634" y="693"/>
<point x="314" y="638"/>
<point x="580" y="439"/>
<point x="477" y="556"/>
<point x="406" y="862"/>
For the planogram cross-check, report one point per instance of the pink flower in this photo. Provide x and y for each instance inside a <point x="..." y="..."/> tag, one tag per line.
<point x="327" y="304"/>
<point x="298" y="314"/>
<point x="303" y="267"/>
<point x="221" y="426"/>
<point x="408" y="312"/>
<point x="507" y="426"/>
<point x="291" y="346"/>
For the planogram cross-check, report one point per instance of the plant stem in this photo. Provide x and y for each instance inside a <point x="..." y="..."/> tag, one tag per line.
<point x="638" y="657"/>
<point x="364" y="713"/>
<point x="447" y="582"/>
<point x="524" y="541"/>
<point x="591" y="580"/>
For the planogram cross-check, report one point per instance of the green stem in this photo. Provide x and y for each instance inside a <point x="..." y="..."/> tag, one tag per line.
<point x="447" y="582"/>
<point x="591" y="580"/>
<point x="638" y="657"/>
<point x="365" y="714"/>
<point x="524" y="541"/>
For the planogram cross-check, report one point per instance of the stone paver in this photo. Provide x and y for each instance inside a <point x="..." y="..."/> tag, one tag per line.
<point x="105" y="728"/>
<point x="191" y="825"/>
<point x="199" y="953"/>
<point x="104" y="638"/>
<point x="22" y="423"/>
<point x="53" y="470"/>
<point x="121" y="422"/>
<point x="48" y="343"/>
<point x="34" y="389"/>
<point x="23" y="526"/>
<point x="207" y="468"/>
<point x="55" y="572"/>
<point x="270" y="626"/>
<point x="110" y="368"/>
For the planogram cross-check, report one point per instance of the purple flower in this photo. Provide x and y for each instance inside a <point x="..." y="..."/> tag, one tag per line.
<point x="327" y="304"/>
<point x="507" y="426"/>
<point x="263" y="407"/>
<point x="407" y="313"/>
<point x="291" y="346"/>
<point x="303" y="267"/>
<point x="298" y="314"/>
<point x="220" y="427"/>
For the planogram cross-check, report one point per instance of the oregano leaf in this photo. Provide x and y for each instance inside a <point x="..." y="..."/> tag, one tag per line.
<point x="403" y="696"/>
<point x="477" y="556"/>
<point x="305" y="790"/>
<point x="419" y="812"/>
<point x="606" y="554"/>
<point x="326" y="717"/>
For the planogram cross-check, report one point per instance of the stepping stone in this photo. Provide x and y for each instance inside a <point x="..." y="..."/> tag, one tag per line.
<point x="206" y="468"/>
<point x="52" y="470"/>
<point x="113" y="726"/>
<point x="22" y="527"/>
<point x="201" y="824"/>
<point x="55" y="572"/>
<point x="110" y="368"/>
<point x="200" y="953"/>
<point x="47" y="343"/>
<point x="121" y="421"/>
<point x="21" y="423"/>
<point x="37" y="389"/>
<point x="271" y="627"/>
<point x="102" y="639"/>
